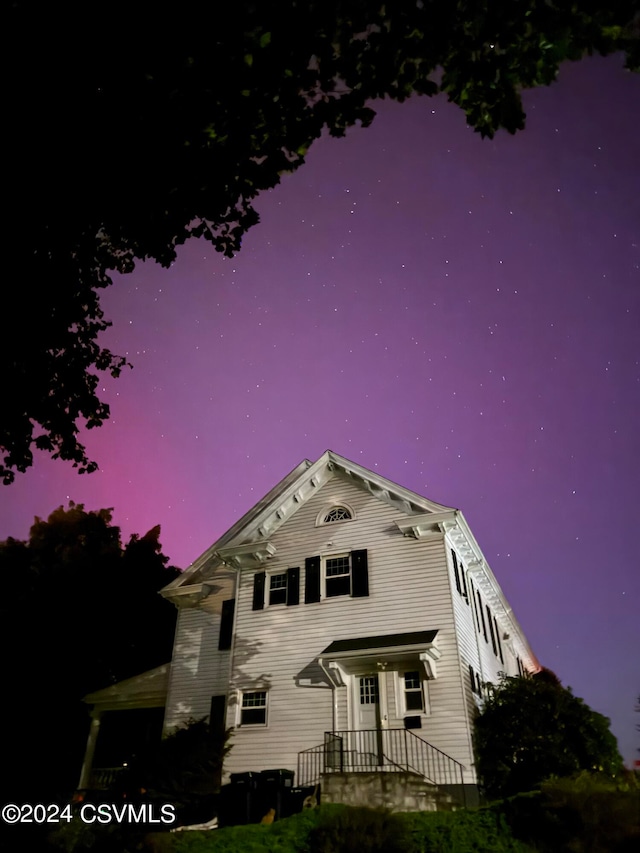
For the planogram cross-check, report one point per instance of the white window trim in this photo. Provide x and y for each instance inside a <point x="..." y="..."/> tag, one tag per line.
<point x="241" y="693"/>
<point x="323" y="574"/>
<point x="320" y="518"/>
<point x="267" y="588"/>
<point x="401" y="705"/>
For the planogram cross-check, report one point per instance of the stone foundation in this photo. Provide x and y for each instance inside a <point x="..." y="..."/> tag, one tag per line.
<point x="399" y="792"/>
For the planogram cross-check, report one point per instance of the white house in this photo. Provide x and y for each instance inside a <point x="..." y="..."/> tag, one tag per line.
<point x="343" y="625"/>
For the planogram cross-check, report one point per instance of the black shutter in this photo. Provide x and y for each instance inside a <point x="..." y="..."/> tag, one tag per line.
<point x="463" y="576"/>
<point x="226" y="624"/>
<point x="293" y="586"/>
<point x="484" y="626"/>
<point x="312" y="579"/>
<point x="493" y="636"/>
<point x="217" y="714"/>
<point x="495" y="622"/>
<point x="455" y="571"/>
<point x="258" y="590"/>
<point x="359" y="574"/>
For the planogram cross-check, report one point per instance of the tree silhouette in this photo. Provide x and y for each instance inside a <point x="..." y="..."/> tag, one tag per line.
<point x="130" y="131"/>
<point x="533" y="728"/>
<point x="78" y="612"/>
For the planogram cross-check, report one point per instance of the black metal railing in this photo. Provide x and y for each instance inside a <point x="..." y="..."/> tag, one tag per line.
<point x="388" y="750"/>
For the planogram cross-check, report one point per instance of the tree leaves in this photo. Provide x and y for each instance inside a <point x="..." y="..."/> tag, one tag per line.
<point x="124" y="142"/>
<point x="531" y="729"/>
<point x="78" y="612"/>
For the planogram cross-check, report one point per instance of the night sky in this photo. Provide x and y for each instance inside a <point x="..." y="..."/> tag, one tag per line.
<point x="460" y="315"/>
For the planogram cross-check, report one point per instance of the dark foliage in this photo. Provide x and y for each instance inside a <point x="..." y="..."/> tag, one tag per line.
<point x="360" y="830"/>
<point x="78" y="612"/>
<point x="184" y="769"/>
<point x="532" y="729"/>
<point x="589" y="813"/>
<point x="132" y="129"/>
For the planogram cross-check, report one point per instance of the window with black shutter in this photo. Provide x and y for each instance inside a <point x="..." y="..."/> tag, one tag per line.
<point x="337" y="575"/>
<point x="484" y="627"/>
<point x="495" y="622"/>
<point x="226" y="624"/>
<point x="493" y="636"/>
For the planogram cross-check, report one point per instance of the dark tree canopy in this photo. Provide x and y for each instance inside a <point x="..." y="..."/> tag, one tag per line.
<point x="531" y="729"/>
<point x="78" y="612"/>
<point x="132" y="127"/>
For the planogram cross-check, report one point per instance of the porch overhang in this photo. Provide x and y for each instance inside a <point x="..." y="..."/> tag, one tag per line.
<point x="358" y="654"/>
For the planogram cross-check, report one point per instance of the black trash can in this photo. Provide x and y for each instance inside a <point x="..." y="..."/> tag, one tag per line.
<point x="274" y="789"/>
<point x="240" y="799"/>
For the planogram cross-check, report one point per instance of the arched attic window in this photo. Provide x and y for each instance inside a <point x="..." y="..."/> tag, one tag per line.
<point x="338" y="512"/>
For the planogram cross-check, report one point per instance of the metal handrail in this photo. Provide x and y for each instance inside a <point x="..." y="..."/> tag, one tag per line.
<point x="388" y="750"/>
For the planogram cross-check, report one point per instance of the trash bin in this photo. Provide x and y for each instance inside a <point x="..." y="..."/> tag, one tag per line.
<point x="240" y="798"/>
<point x="274" y="787"/>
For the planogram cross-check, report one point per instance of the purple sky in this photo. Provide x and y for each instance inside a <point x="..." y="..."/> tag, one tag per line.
<point x="461" y="315"/>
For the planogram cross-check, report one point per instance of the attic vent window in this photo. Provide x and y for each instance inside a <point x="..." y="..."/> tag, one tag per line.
<point x="337" y="513"/>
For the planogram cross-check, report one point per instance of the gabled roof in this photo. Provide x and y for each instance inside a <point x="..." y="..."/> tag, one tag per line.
<point x="278" y="505"/>
<point x="247" y="543"/>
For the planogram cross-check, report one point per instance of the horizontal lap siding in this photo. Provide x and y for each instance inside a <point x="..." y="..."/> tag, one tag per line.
<point x="408" y="591"/>
<point x="199" y="670"/>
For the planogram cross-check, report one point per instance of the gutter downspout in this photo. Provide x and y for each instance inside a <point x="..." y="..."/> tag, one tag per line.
<point x="334" y="686"/>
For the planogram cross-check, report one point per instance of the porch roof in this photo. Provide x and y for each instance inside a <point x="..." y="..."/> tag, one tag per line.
<point x="383" y="641"/>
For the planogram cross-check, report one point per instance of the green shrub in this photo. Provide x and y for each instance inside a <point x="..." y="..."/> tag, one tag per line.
<point x="531" y="729"/>
<point x="589" y="813"/>
<point x="359" y="830"/>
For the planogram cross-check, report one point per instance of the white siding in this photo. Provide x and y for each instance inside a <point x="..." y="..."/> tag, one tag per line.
<point x="198" y="669"/>
<point x="408" y="591"/>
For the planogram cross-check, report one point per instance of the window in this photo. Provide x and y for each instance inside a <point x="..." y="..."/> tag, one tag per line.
<point x="476" y="682"/>
<point x="253" y="708"/>
<point x="460" y="576"/>
<point x="281" y="588"/>
<point x="493" y="636"/>
<point x="278" y="589"/>
<point x="335" y="514"/>
<point x="413" y="696"/>
<point x="412" y="699"/>
<point x="484" y="626"/>
<point x="475" y="603"/>
<point x="369" y="690"/>
<point x="338" y="575"/>
<point x="338" y="513"/>
<point x="495" y="622"/>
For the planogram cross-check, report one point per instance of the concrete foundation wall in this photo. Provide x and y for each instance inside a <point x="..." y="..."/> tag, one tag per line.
<point x="398" y="792"/>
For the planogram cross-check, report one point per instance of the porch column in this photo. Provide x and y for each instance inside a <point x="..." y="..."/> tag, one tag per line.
<point x="382" y="696"/>
<point x="87" y="765"/>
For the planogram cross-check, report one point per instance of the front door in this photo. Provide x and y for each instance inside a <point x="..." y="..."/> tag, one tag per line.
<point x="368" y="738"/>
<point x="368" y="699"/>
